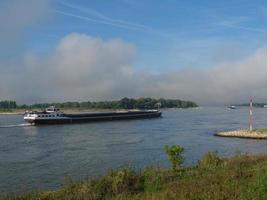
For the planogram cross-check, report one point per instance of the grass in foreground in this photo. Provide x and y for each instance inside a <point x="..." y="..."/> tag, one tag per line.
<point x="240" y="177"/>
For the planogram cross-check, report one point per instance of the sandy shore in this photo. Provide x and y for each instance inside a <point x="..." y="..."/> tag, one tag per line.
<point x="254" y="134"/>
<point x="11" y="113"/>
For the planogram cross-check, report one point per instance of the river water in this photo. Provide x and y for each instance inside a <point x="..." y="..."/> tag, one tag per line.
<point x="41" y="157"/>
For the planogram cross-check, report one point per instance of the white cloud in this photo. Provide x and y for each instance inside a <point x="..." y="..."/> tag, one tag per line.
<point x="79" y="68"/>
<point x="82" y="67"/>
<point x="223" y="83"/>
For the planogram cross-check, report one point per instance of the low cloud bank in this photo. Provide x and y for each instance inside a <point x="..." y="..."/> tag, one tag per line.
<point x="82" y="67"/>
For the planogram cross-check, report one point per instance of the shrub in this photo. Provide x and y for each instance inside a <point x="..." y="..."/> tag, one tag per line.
<point x="175" y="157"/>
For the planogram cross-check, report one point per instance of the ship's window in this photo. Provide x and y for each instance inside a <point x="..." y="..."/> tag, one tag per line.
<point x="38" y="115"/>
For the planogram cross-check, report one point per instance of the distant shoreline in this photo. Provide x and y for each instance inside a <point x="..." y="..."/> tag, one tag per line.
<point x="12" y="113"/>
<point x="15" y="113"/>
<point x="74" y="110"/>
<point x="124" y="103"/>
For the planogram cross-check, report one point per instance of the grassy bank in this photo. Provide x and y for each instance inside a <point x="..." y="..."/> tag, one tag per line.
<point x="239" y="177"/>
<point x="11" y="111"/>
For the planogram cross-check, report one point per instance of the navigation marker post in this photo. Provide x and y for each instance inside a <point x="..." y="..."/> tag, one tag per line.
<point x="158" y="105"/>
<point x="250" y="115"/>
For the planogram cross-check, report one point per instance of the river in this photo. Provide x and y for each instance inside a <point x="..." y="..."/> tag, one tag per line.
<point x="41" y="157"/>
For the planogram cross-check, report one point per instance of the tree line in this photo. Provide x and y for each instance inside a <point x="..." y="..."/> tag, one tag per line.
<point x="8" y="105"/>
<point x="125" y="103"/>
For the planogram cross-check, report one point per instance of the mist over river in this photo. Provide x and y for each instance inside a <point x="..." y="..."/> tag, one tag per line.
<point x="41" y="157"/>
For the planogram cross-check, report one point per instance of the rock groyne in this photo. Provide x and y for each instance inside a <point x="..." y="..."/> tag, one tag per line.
<point x="254" y="134"/>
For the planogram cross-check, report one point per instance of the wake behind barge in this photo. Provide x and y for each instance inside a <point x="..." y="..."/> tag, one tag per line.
<point x="53" y="115"/>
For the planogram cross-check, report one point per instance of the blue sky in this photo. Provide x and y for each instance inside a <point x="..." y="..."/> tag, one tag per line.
<point x="180" y="33"/>
<point x="212" y="52"/>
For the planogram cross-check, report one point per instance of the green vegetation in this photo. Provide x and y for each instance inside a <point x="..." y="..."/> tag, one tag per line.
<point x="8" y="104"/>
<point x="241" y="177"/>
<point x="175" y="157"/>
<point x="125" y="103"/>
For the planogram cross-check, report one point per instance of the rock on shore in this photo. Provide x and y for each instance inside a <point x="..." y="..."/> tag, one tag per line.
<point x="254" y="134"/>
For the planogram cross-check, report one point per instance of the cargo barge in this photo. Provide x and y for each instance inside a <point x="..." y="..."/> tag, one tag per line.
<point x="53" y="115"/>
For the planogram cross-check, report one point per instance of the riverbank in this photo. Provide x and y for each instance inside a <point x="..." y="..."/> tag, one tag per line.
<point x="254" y="134"/>
<point x="11" y="113"/>
<point x="81" y="110"/>
<point x="66" y="110"/>
<point x="214" y="177"/>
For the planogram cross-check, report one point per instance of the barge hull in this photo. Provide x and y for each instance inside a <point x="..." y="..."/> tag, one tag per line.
<point x="83" y="119"/>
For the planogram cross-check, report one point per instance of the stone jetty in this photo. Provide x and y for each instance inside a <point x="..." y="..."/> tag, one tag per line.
<point x="254" y="134"/>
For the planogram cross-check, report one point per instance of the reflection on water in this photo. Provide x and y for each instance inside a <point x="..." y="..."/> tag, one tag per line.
<point x="40" y="157"/>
